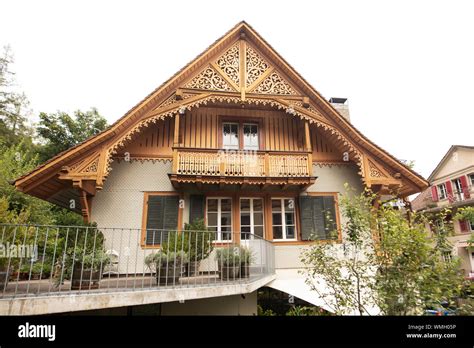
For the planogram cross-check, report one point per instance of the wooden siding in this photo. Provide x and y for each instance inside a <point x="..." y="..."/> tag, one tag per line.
<point x="154" y="141"/>
<point x="201" y="129"/>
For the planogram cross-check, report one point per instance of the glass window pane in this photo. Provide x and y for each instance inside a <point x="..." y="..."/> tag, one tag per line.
<point x="212" y="205"/>
<point x="276" y="204"/>
<point x="226" y="204"/>
<point x="276" y="219"/>
<point x="290" y="218"/>
<point x="258" y="230"/>
<point x="226" y="219"/>
<point x="211" y="219"/>
<point x="226" y="233"/>
<point x="277" y="232"/>
<point x="258" y="218"/>
<point x="245" y="204"/>
<point x="290" y="232"/>
<point x="245" y="232"/>
<point x="289" y="204"/>
<point x="245" y="219"/>
<point x="258" y="204"/>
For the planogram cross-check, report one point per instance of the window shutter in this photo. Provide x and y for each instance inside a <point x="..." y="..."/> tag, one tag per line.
<point x="317" y="217"/>
<point x="449" y="188"/>
<point x="154" y="219"/>
<point x="434" y="194"/>
<point x="329" y="217"/>
<point x="306" y="217"/>
<point x="465" y="188"/>
<point x="196" y="207"/>
<point x="463" y="226"/>
<point x="162" y="217"/>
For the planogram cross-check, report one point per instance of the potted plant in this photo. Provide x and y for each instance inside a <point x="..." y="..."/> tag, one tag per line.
<point x="167" y="266"/>
<point x="196" y="241"/>
<point x="246" y="259"/>
<point x="4" y="273"/>
<point x="87" y="269"/>
<point x="228" y="260"/>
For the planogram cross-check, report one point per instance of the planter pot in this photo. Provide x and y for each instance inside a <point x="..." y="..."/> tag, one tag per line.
<point x="3" y="279"/>
<point x="169" y="275"/>
<point x="244" y="271"/>
<point x="90" y="278"/>
<point x="192" y="268"/>
<point x="229" y="272"/>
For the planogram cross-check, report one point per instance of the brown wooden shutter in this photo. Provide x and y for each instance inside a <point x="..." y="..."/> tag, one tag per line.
<point x="196" y="207"/>
<point x="330" y="224"/>
<point x="306" y="217"/>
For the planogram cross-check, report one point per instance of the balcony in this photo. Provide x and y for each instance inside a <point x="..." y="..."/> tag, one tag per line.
<point x="241" y="167"/>
<point x="49" y="269"/>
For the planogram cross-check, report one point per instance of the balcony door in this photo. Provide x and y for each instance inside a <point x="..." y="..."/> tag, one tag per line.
<point x="251" y="218"/>
<point x="240" y="136"/>
<point x="458" y="193"/>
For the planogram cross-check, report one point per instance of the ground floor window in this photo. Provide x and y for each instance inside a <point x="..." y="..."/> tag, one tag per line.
<point x="161" y="215"/>
<point x="219" y="217"/>
<point x="283" y="219"/>
<point x="251" y="218"/>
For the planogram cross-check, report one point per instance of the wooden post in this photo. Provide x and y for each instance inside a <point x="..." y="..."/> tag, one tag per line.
<point x="176" y="141"/>
<point x="175" y="161"/>
<point x="307" y="145"/>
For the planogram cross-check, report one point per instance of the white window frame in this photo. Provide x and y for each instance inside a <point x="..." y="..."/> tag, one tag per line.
<point x="458" y="192"/>
<point x="219" y="214"/>
<point x="231" y="147"/>
<point x="243" y="136"/>
<point x="442" y="191"/>
<point x="471" y="179"/>
<point x="283" y="219"/>
<point x="251" y="211"/>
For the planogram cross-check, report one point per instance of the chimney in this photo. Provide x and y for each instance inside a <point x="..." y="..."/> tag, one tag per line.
<point x="341" y="105"/>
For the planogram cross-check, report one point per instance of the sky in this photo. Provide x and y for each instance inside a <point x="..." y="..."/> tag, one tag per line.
<point x="406" y="67"/>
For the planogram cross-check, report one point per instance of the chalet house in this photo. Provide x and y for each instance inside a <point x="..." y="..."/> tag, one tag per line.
<point x="237" y="138"/>
<point x="452" y="186"/>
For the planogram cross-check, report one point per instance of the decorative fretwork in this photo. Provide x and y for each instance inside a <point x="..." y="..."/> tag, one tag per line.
<point x="374" y="172"/>
<point x="169" y="101"/>
<point x="229" y="63"/>
<point x="92" y="167"/>
<point x="211" y="80"/>
<point x="274" y="84"/>
<point x="255" y="66"/>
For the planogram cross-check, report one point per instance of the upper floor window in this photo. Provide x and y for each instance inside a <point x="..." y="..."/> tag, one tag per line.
<point x="230" y="136"/>
<point x="442" y="193"/>
<point x="240" y="136"/>
<point x="471" y="179"/>
<point x="457" y="185"/>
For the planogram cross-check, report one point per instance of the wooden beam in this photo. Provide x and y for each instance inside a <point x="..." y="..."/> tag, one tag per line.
<point x="307" y="137"/>
<point x="176" y="139"/>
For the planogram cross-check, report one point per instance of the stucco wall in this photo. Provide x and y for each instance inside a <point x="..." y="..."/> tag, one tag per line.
<point x="120" y="204"/>
<point x="460" y="159"/>
<point x="330" y="179"/>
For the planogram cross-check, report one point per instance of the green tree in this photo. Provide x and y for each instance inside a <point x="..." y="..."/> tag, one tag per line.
<point x="60" y="131"/>
<point x="386" y="261"/>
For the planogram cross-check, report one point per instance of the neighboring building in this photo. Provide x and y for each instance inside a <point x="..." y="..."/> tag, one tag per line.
<point x="452" y="186"/>
<point x="238" y="138"/>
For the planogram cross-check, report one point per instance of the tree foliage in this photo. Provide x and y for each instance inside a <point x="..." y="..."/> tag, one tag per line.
<point x="387" y="263"/>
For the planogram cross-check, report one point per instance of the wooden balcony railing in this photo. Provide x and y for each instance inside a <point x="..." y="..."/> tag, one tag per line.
<point x="242" y="163"/>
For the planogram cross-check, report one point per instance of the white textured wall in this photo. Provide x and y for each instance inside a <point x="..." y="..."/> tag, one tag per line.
<point x="120" y="204"/>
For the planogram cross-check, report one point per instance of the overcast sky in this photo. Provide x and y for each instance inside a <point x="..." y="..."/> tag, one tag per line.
<point x="407" y="67"/>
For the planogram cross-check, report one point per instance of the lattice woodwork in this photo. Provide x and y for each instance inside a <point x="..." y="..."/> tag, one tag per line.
<point x="274" y="84"/>
<point x="229" y="63"/>
<point x="255" y="65"/>
<point x="374" y="172"/>
<point x="209" y="79"/>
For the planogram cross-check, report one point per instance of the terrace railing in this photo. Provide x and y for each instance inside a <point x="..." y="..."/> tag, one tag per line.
<point x="50" y="260"/>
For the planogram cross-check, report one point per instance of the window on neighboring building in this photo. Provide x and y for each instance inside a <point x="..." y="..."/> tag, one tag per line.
<point x="161" y="216"/>
<point x="219" y="217"/>
<point x="442" y="193"/>
<point x="283" y="219"/>
<point x="447" y="256"/>
<point x="230" y="136"/>
<point x="471" y="179"/>
<point x="458" y="188"/>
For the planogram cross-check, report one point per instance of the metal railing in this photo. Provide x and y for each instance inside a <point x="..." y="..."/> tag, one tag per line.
<point x="49" y="260"/>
